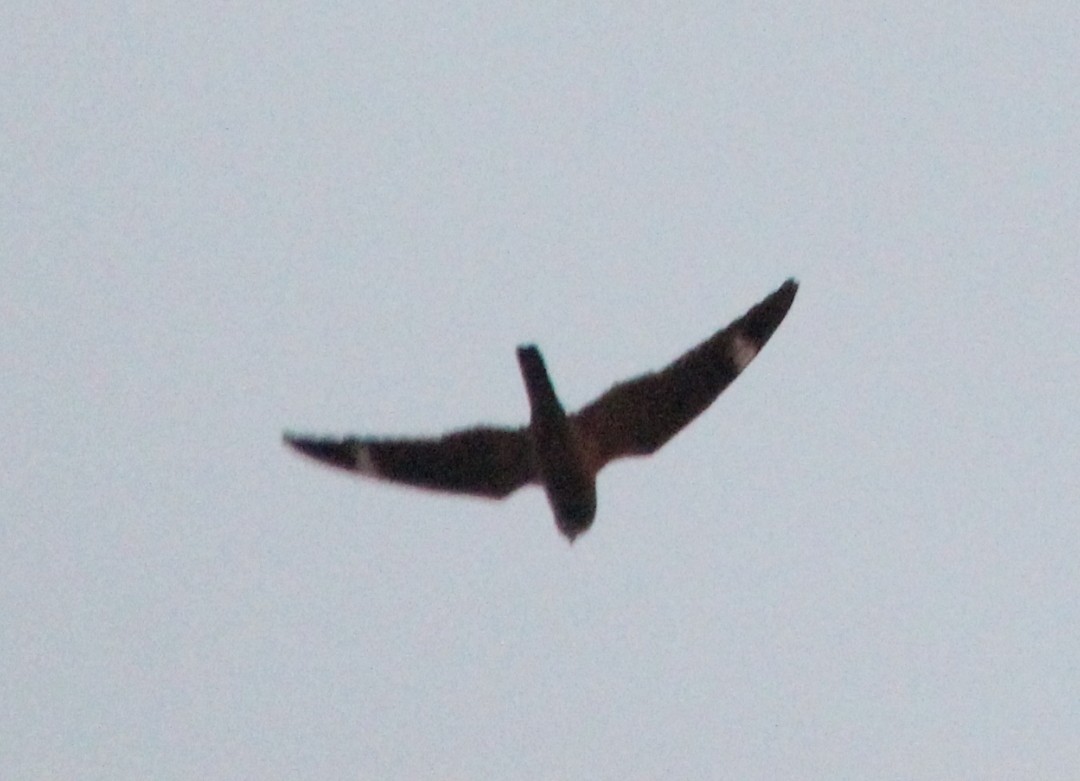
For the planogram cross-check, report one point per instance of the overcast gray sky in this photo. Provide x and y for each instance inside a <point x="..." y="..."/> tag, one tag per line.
<point x="215" y="224"/>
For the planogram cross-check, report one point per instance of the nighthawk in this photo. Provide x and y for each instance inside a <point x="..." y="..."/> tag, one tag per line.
<point x="559" y="451"/>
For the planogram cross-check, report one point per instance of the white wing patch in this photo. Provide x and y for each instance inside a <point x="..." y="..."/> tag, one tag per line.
<point x="365" y="464"/>
<point x="742" y="351"/>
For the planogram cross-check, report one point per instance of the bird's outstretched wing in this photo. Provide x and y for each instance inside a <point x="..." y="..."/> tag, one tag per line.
<point x="490" y="462"/>
<point x="638" y="416"/>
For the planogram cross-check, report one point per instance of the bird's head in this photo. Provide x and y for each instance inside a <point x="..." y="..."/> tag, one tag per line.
<point x="574" y="516"/>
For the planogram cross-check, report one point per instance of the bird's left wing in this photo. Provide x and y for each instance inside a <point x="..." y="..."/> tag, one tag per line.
<point x="491" y="462"/>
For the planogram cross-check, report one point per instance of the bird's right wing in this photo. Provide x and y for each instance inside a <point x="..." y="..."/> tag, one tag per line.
<point x="491" y="462"/>
<point x="636" y="417"/>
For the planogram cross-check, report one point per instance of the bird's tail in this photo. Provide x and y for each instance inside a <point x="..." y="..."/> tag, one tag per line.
<point x="541" y="392"/>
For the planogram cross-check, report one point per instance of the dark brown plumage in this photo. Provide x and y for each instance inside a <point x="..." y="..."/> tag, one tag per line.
<point x="561" y="452"/>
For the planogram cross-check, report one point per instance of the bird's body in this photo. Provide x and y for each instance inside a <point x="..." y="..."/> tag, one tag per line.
<point x="562" y="452"/>
<point x="561" y="462"/>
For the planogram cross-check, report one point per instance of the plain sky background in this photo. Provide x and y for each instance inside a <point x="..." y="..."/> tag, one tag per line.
<point x="216" y="224"/>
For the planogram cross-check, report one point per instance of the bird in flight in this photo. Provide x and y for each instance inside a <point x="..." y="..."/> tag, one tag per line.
<point x="559" y="451"/>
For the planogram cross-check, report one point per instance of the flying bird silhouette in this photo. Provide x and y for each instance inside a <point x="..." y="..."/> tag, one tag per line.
<point x="562" y="452"/>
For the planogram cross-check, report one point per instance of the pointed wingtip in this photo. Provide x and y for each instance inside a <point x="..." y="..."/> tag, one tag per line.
<point x="765" y="317"/>
<point x="335" y="452"/>
<point x="786" y="292"/>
